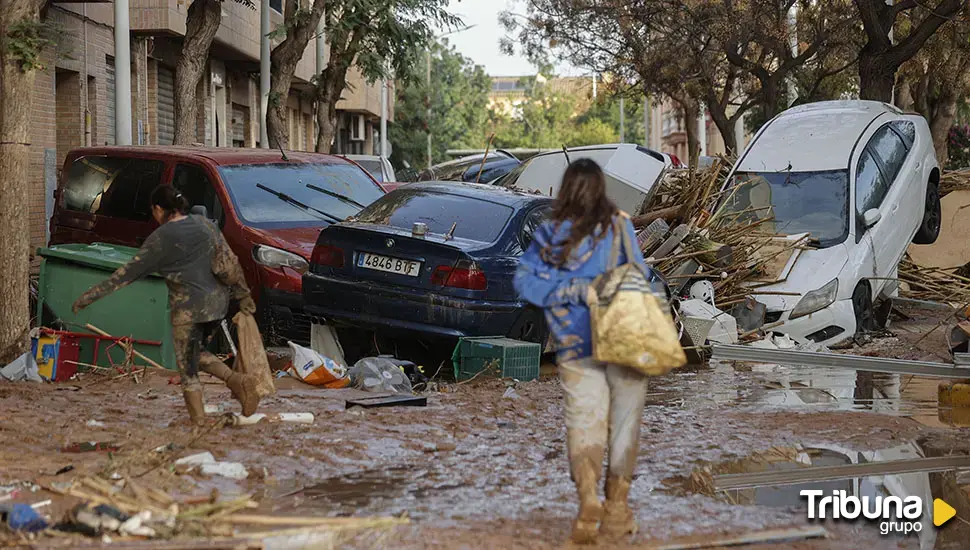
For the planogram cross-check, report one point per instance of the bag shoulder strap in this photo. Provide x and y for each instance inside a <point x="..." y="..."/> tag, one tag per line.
<point x="615" y="245"/>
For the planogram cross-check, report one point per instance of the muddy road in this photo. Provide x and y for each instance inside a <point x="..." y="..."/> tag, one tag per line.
<point x="475" y="469"/>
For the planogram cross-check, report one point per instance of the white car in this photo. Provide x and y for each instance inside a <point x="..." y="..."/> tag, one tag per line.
<point x="379" y="168"/>
<point x="862" y="180"/>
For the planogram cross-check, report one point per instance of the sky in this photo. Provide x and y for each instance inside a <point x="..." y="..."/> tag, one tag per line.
<point x="481" y="42"/>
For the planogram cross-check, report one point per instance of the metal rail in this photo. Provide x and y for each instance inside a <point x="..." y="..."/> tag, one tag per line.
<point x="830" y="473"/>
<point x="725" y="352"/>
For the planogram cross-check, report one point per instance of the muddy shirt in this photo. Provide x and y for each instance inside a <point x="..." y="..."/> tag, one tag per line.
<point x="200" y="269"/>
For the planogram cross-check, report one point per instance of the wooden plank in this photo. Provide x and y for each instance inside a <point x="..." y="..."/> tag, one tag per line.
<point x="758" y="537"/>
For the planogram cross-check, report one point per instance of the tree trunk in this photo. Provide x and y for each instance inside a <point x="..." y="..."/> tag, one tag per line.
<point x="286" y="55"/>
<point x="877" y="76"/>
<point x="691" y="113"/>
<point x="330" y="85"/>
<point x="16" y="93"/>
<point x="327" y="122"/>
<point x="725" y="125"/>
<point x="201" y="24"/>
<point x="944" y="115"/>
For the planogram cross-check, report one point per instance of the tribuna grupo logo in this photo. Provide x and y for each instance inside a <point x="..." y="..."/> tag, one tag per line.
<point x="895" y="514"/>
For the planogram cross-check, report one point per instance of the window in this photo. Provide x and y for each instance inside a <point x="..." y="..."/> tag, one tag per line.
<point x="906" y="130"/>
<point x="298" y="194"/>
<point x="870" y="186"/>
<point x="195" y="186"/>
<point x="889" y="149"/>
<point x="112" y="186"/>
<point x="532" y="222"/>
<point x="791" y="203"/>
<point x="473" y="219"/>
<point x="276" y="5"/>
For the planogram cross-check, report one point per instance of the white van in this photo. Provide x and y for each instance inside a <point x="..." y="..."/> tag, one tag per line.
<point x="862" y="180"/>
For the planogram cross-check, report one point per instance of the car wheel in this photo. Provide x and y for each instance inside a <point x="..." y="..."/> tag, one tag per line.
<point x="865" y="319"/>
<point x="929" y="230"/>
<point x="530" y="327"/>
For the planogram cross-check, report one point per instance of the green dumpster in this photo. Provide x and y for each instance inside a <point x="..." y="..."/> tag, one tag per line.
<point x="139" y="311"/>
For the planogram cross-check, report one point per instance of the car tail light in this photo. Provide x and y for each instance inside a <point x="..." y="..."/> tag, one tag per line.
<point x="327" y="256"/>
<point x="464" y="275"/>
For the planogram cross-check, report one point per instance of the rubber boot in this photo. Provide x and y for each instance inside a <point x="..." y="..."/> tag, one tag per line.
<point x="196" y="407"/>
<point x="243" y="387"/>
<point x="586" y="476"/>
<point x="618" y="520"/>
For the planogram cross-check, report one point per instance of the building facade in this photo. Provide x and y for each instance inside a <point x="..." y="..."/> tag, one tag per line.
<point x="74" y="96"/>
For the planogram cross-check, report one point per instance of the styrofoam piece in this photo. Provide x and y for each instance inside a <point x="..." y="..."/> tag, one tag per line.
<point x="196" y="459"/>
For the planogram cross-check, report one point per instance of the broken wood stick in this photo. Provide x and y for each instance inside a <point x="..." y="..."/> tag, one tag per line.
<point x="137" y="353"/>
<point x="667" y="214"/>
<point x="771" y="535"/>
<point x="250" y="519"/>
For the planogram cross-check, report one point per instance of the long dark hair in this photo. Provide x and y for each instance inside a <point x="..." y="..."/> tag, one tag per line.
<point x="582" y="200"/>
<point x="170" y="200"/>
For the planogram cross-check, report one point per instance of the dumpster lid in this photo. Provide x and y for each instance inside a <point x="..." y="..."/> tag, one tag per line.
<point x="107" y="256"/>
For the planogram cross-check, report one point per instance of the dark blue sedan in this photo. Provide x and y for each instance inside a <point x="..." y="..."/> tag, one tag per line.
<point x="433" y="258"/>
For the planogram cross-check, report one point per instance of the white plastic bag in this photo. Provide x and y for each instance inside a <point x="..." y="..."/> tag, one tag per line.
<point x="379" y="374"/>
<point x="317" y="370"/>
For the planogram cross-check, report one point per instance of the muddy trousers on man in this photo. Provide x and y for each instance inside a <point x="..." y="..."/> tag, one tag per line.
<point x="604" y="405"/>
<point x="189" y="342"/>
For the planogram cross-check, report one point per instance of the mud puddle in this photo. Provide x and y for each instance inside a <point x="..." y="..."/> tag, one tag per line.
<point x="806" y="389"/>
<point x="777" y="477"/>
<point x="395" y="490"/>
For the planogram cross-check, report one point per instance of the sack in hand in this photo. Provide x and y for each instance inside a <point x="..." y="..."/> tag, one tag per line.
<point x="252" y="355"/>
<point x="631" y="325"/>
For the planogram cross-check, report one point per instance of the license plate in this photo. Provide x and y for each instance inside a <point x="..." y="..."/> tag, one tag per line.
<point x="389" y="265"/>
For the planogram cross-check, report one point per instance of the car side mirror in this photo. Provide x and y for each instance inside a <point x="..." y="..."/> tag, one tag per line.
<point x="871" y="217"/>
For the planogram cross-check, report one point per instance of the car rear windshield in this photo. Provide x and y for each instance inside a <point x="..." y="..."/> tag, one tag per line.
<point x="474" y="219"/>
<point x="373" y="167"/>
<point x="816" y="203"/>
<point x="283" y="194"/>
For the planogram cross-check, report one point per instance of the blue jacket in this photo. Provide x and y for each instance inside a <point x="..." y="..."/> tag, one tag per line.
<point x="561" y="291"/>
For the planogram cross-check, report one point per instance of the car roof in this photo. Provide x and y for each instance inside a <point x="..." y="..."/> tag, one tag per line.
<point x="362" y="157"/>
<point x="813" y="137"/>
<point x="222" y="156"/>
<point x="480" y="191"/>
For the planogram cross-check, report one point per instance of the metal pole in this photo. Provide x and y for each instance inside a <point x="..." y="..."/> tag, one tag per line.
<point x="646" y="121"/>
<point x="594" y="85"/>
<point x="622" y="119"/>
<point x="702" y="130"/>
<point x="122" y="74"/>
<point x="321" y="62"/>
<point x="428" y="115"/>
<point x="383" y="118"/>
<point x="264" y="69"/>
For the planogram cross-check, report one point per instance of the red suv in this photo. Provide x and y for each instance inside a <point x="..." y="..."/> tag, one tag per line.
<point x="270" y="206"/>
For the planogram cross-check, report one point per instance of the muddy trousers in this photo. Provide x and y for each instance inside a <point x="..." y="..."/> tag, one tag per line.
<point x="191" y="357"/>
<point x="604" y="405"/>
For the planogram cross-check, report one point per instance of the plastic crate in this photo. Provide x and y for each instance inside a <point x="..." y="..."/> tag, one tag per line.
<point x="498" y="356"/>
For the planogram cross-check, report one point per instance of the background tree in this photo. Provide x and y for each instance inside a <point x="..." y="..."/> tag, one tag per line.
<point x="378" y="37"/>
<point x="936" y="80"/>
<point x="201" y="24"/>
<point x="895" y="32"/>
<point x="458" y="97"/>
<point x="299" y="26"/>
<point x="22" y="41"/>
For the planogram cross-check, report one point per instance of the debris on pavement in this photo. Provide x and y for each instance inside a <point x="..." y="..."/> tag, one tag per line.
<point x="21" y="517"/>
<point x="236" y="419"/>
<point x="316" y="369"/>
<point x="379" y="374"/>
<point x="387" y="401"/>
<point x="91" y="447"/>
<point x="22" y="369"/>
<point x="208" y="465"/>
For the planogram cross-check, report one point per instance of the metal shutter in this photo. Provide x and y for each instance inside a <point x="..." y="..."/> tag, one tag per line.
<point x="109" y="72"/>
<point x="166" y="105"/>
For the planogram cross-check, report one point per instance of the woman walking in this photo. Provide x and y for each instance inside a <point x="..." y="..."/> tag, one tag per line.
<point x="201" y="273"/>
<point x="604" y="402"/>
